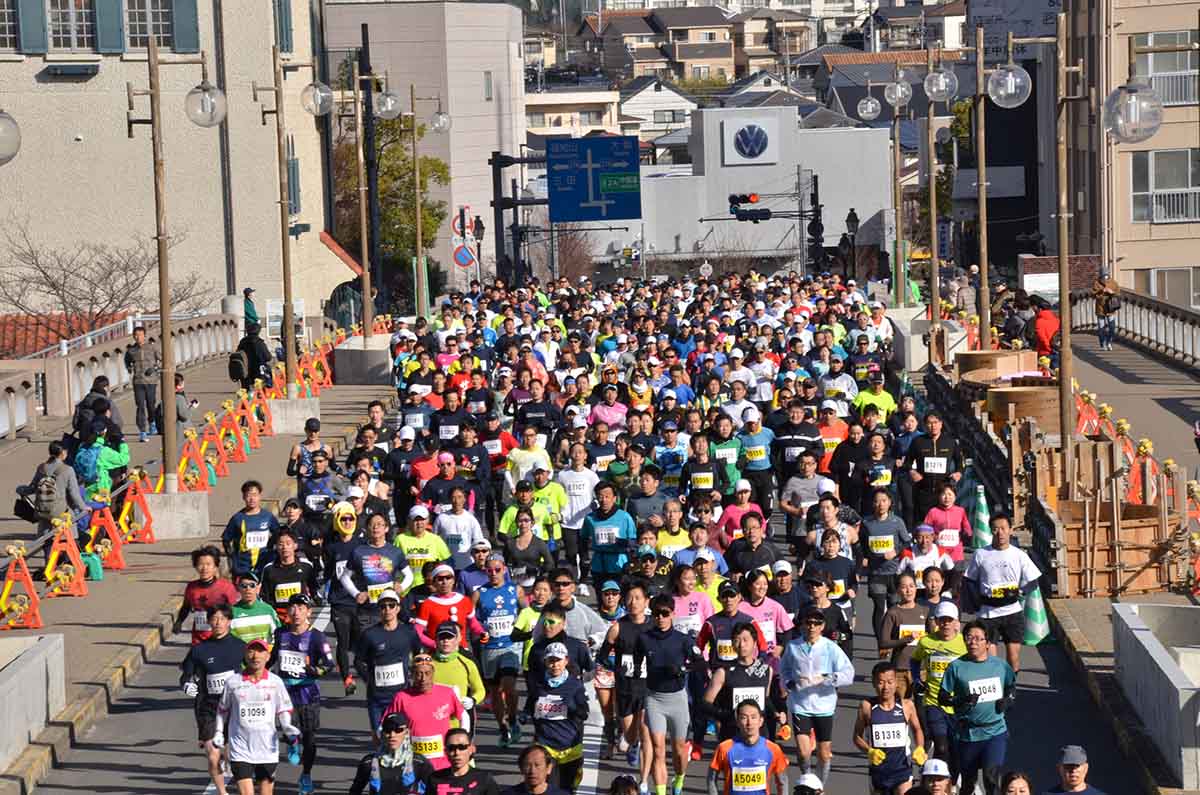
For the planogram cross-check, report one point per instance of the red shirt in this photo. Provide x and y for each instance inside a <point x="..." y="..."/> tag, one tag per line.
<point x="437" y="609"/>
<point x="1045" y="326"/>
<point x="199" y="596"/>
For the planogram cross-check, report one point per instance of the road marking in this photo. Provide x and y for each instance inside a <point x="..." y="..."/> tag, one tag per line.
<point x="593" y="741"/>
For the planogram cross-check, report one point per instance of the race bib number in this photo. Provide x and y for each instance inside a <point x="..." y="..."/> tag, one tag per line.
<point x="988" y="689"/>
<point x="215" y="683"/>
<point x="790" y="454"/>
<point x="833" y="394"/>
<point x="755" y="694"/>
<point x="702" y="481"/>
<point x="883" y="478"/>
<point x="500" y="626"/>
<point x="749" y="779"/>
<point x="550" y="708"/>
<point x="542" y="439"/>
<point x="446" y="432"/>
<point x="493" y="446"/>
<point x="389" y="675"/>
<point x="756" y="453"/>
<point x="882" y="544"/>
<point x="421" y="389"/>
<point x="376" y="590"/>
<point x="889" y="735"/>
<point x="949" y="538"/>
<point x="914" y="632"/>
<point x="576" y="488"/>
<point x="725" y="650"/>
<point x="285" y="591"/>
<point x="939" y="663"/>
<point x="517" y="572"/>
<point x="199" y="620"/>
<point x="727" y="455"/>
<point x="935" y="465"/>
<point x="831" y="443"/>
<point x="627" y="667"/>
<point x="428" y="747"/>
<point x="767" y="628"/>
<point x="838" y="589"/>
<point x="314" y="502"/>
<point x="476" y="406"/>
<point x="1003" y="590"/>
<point x="257" y="539"/>
<point x="606" y="535"/>
<point x="861" y="371"/>
<point x="292" y="663"/>
<point x="415" y="421"/>
<point x="256" y="714"/>
<point x="603" y="461"/>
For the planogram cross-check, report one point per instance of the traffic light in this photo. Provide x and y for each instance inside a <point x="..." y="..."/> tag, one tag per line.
<point x="816" y="237"/>
<point x="736" y="199"/>
<point x="754" y="216"/>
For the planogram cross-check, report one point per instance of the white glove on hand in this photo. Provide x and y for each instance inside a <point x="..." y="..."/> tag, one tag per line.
<point x="190" y="689"/>
<point x="218" y="740"/>
<point x="468" y="703"/>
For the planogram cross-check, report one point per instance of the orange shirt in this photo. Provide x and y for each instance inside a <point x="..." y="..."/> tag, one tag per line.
<point x="831" y="436"/>
<point x="749" y="770"/>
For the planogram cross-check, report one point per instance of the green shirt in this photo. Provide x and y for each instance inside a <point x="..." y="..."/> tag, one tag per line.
<point x="728" y="453"/>
<point x="256" y="622"/>
<point x="460" y="673"/>
<point x="991" y="679"/>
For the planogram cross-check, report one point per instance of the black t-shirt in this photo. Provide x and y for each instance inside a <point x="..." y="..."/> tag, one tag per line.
<point x="476" y="782"/>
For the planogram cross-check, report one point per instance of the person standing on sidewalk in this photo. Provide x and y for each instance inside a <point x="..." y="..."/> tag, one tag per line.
<point x="248" y="308"/>
<point x="142" y="360"/>
<point x="1106" y="294"/>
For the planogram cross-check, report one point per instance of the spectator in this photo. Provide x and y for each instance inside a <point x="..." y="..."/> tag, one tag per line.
<point x="142" y="362"/>
<point x="258" y="357"/>
<point x="248" y="309"/>
<point x="1106" y="294"/>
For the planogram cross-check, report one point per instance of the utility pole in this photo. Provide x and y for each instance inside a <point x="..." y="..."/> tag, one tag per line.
<point x="371" y="154"/>
<point x="935" y="287"/>
<point x="364" y="200"/>
<point x="985" y="290"/>
<point x="898" y="286"/>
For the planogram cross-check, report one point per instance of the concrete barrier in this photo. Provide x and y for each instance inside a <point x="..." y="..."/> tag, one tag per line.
<point x="1149" y="642"/>
<point x="33" y="689"/>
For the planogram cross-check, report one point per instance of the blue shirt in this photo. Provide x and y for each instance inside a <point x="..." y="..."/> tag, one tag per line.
<point x="756" y="447"/>
<point x="611" y="538"/>
<point x="498" y="609"/>
<point x="990" y="679"/>
<point x="686" y="557"/>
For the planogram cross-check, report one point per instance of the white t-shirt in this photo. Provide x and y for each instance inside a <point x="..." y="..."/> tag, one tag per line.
<point x="997" y="569"/>
<point x="581" y="489"/>
<point x="459" y="532"/>
<point x="252" y="708"/>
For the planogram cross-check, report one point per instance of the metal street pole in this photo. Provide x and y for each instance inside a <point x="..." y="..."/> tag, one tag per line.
<point x="897" y="201"/>
<point x="935" y="287"/>
<point x="368" y="305"/>
<point x="985" y="292"/>
<point x="288" y="331"/>
<point x="421" y="286"/>
<point x="371" y="152"/>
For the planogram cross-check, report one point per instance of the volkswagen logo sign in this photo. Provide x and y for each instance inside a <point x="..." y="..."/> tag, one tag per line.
<point x="750" y="141"/>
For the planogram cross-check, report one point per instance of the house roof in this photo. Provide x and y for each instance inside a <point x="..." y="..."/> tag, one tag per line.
<point x="782" y="14"/>
<point x="694" y="17"/>
<point x="25" y="334"/>
<point x="640" y="84"/>
<point x="956" y="8"/>
<point x="759" y="52"/>
<point x="678" y="137"/>
<point x="835" y="60"/>
<point x="764" y="99"/>
<point x="700" y="50"/>
<point x="649" y="54"/>
<point x="822" y="118"/>
<point x="844" y="99"/>
<point x="814" y="56"/>
<point x="899" y="13"/>
<point x="744" y="83"/>
<point x="592" y="23"/>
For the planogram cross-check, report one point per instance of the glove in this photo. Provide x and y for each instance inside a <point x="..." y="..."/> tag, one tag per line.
<point x="1004" y="703"/>
<point x="553" y="545"/>
<point x="293" y="750"/>
<point x="919" y="756"/>
<point x="875" y="756"/>
<point x="468" y="703"/>
<point x="523" y="719"/>
<point x="218" y="739"/>
<point x="190" y="689"/>
<point x="967" y="701"/>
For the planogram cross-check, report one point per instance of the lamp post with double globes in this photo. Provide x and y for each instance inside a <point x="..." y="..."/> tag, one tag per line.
<point x="205" y="106"/>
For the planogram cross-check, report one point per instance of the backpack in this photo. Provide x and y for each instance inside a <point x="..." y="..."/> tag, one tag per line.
<point x="1114" y="303"/>
<point x="84" y="414"/>
<point x="45" y="497"/>
<point x="86" y="460"/>
<point x="239" y="366"/>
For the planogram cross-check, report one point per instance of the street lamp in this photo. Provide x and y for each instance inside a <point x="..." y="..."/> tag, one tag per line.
<point x="941" y="85"/>
<point x="205" y="106"/>
<point x="438" y="123"/>
<point x="316" y="93"/>
<point x="1132" y="113"/>
<point x="387" y="105"/>
<point x="10" y="137"/>
<point x="898" y="93"/>
<point x="1010" y="85"/>
<point x="869" y="108"/>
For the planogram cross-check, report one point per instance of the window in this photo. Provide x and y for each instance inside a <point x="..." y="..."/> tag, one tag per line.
<point x="699" y="72"/>
<point x="670" y="116"/>
<point x="1166" y="186"/>
<point x="8" y="25"/>
<point x="154" y="16"/>
<point x="1172" y="74"/>
<point x="73" y="25"/>
<point x="591" y="118"/>
<point x="535" y="119"/>
<point x="708" y="35"/>
<point x="487" y="86"/>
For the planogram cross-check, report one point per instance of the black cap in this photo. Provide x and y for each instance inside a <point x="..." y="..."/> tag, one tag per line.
<point x="312" y="424"/>
<point x="247" y="291"/>
<point x="396" y="720"/>
<point x="320" y="452"/>
<point x="812" y="614"/>
<point x="447" y="629"/>
<point x="727" y="589"/>
<point x="248" y="575"/>
<point x="300" y="599"/>
<point x="524" y="485"/>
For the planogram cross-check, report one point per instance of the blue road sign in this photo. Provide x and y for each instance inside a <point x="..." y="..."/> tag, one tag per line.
<point x="593" y="179"/>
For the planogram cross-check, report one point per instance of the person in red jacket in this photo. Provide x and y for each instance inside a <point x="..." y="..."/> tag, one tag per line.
<point x="1045" y="326"/>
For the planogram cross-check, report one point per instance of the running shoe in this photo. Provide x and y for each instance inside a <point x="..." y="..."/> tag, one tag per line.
<point x="306" y="785"/>
<point x="514" y="734"/>
<point x="633" y="757"/>
<point x="348" y="682"/>
<point x="644" y="788"/>
<point x="505" y="740"/>
<point x="677" y="785"/>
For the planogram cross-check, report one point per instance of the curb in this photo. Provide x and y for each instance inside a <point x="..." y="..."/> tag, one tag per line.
<point x="89" y="707"/>
<point x="1136" y="748"/>
<point x="49" y="748"/>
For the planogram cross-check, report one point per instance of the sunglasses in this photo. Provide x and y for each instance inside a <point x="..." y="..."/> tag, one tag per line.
<point x="395" y="730"/>
<point x="563" y="584"/>
<point x="662" y="613"/>
<point x="458" y="747"/>
<point x="389" y="605"/>
<point x="247" y="584"/>
<point x="495" y="570"/>
<point x="551" y="622"/>
<point x="814" y="623"/>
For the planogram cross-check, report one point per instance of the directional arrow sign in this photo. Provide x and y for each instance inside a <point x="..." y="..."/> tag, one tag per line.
<point x="593" y="179"/>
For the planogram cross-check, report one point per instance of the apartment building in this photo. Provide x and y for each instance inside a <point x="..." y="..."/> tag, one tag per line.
<point x="1138" y="205"/>
<point x="684" y="43"/>
<point x="79" y="179"/>
<point x="766" y="39"/>
<point x="572" y="110"/>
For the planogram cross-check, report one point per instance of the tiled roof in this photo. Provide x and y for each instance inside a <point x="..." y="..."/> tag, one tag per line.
<point x="591" y="21"/>
<point x="913" y="57"/>
<point x="813" y="57"/>
<point x="700" y="50"/>
<point x="694" y="17"/>
<point x="957" y="8"/>
<point x="23" y="334"/>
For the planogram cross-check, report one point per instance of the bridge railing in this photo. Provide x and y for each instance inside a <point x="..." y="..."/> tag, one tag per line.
<point x="1166" y="329"/>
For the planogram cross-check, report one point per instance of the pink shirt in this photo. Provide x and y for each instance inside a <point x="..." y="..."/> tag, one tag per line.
<point x="771" y="618"/>
<point x="692" y="611"/>
<point x="613" y="416"/>
<point x="731" y="519"/>
<point x="429" y="716"/>
<point x="951" y="526"/>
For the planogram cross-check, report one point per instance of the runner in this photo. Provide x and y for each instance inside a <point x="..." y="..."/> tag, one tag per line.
<point x="748" y="677"/>
<point x="611" y="531"/>
<point x="253" y="619"/>
<point x="374" y="567"/>
<point x="812" y="669"/>
<point x="497" y="604"/>
<point x="342" y="605"/>
<point x="287" y="575"/>
<point x="928" y="664"/>
<point x="457" y="671"/>
<point x="773" y="622"/>
<point x="250" y="532"/>
<point x="998" y="576"/>
<point x="889" y="733"/>
<point x="207" y="590"/>
<point x="445" y="604"/>
<point x="558" y="706"/>
<point x="430" y="709"/>
<point x="620" y="643"/>
<point x="381" y="655"/>
<point x="535" y="764"/>
<point x="903" y="625"/>
<point x="303" y="656"/>
<point x="393" y="769"/>
<point x="204" y="672"/>
<point x="749" y="763"/>
<point x="419" y="543"/>
<point x="604" y="681"/>
<point x="252" y="704"/>
<point x="460" y="776"/>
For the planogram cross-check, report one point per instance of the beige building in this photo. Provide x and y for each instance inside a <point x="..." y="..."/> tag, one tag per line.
<point x="540" y="49"/>
<point x="1138" y="205"/>
<point x="572" y="110"/>
<point x="79" y="178"/>
<point x="765" y="40"/>
<point x="685" y="43"/>
<point x="471" y="56"/>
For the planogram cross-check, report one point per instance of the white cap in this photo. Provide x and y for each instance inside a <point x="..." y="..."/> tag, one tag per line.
<point x="736" y="353"/>
<point x="704" y="553"/>
<point x="354" y="492"/>
<point x="669" y="393"/>
<point x="811" y="781"/>
<point x="407" y="433"/>
<point x="782" y="566"/>
<point x="945" y="609"/>
<point x="389" y="594"/>
<point x="829" y="404"/>
<point x="877" y="305"/>
<point x="742" y="485"/>
<point x="936" y="768"/>
<point x="579" y="422"/>
<point x="751" y="414"/>
<point x="556" y="651"/>
<point x="418" y="511"/>
<point x="622" y="338"/>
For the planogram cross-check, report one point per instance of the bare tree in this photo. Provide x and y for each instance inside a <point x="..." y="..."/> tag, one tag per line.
<point x="70" y="290"/>
<point x="572" y="248"/>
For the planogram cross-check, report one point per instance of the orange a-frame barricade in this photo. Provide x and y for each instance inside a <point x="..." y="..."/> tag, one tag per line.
<point x="192" y="471"/>
<point x="231" y="434"/>
<point x="266" y="425"/>
<point x="19" y="602"/>
<point x="110" y="554"/>
<point x="134" y="531"/>
<point x="245" y="414"/>
<point x="67" y="578"/>
<point x="211" y="446"/>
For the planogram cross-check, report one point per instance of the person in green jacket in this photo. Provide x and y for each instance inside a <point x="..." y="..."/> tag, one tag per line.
<point x="248" y="306"/>
<point x="95" y="460"/>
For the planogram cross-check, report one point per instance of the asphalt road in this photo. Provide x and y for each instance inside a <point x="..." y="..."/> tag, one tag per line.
<point x="147" y="743"/>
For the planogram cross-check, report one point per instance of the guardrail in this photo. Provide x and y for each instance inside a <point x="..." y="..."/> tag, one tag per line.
<point x="1165" y="329"/>
<point x="18" y="403"/>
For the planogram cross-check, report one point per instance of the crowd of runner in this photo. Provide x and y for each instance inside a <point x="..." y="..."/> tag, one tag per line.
<point x="658" y="501"/>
